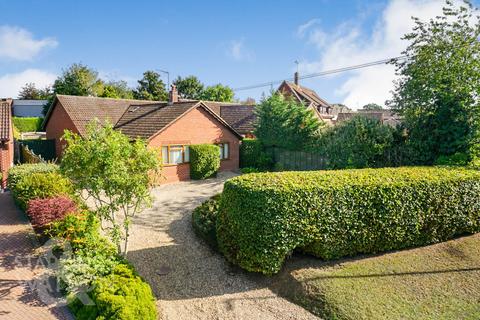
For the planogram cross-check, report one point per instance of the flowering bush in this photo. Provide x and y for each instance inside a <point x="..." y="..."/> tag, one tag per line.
<point x="45" y="211"/>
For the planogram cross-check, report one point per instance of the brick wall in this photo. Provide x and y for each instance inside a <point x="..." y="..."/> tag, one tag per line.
<point x="58" y="122"/>
<point x="196" y="127"/>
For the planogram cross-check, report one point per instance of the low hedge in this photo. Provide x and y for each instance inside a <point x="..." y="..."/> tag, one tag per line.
<point x="204" y="161"/>
<point x="27" y="124"/>
<point x="19" y="171"/>
<point x="204" y="219"/>
<point x="330" y="214"/>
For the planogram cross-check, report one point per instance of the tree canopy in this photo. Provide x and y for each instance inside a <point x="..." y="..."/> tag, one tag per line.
<point x="439" y="85"/>
<point x="189" y="87"/>
<point x="217" y="92"/>
<point x="151" y="87"/>
<point x="30" y="92"/>
<point x="78" y="80"/>
<point x="117" y="89"/>
<point x="372" y="106"/>
<point x="285" y="123"/>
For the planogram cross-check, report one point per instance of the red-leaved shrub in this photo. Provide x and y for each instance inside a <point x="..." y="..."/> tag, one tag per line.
<point x="44" y="211"/>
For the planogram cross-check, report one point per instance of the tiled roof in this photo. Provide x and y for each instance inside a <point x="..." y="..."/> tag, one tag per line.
<point x="241" y="117"/>
<point x="307" y="95"/>
<point x="82" y="110"/>
<point x="5" y="120"/>
<point x="143" y="121"/>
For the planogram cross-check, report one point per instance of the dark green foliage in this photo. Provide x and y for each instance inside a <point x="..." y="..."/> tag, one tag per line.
<point x="26" y="124"/>
<point x="372" y="107"/>
<point x="204" y="161"/>
<point x="285" y="123"/>
<point x="42" y="148"/>
<point x="189" y="87"/>
<point x="204" y="219"/>
<point x="151" y="87"/>
<point x="456" y="159"/>
<point x="217" y="92"/>
<point x="360" y="142"/>
<point x="252" y="154"/>
<point x="265" y="216"/>
<point x="117" y="90"/>
<point x="16" y="173"/>
<point x="122" y="295"/>
<point x="437" y="92"/>
<point x="249" y="170"/>
<point x="40" y="186"/>
<point x="30" y="92"/>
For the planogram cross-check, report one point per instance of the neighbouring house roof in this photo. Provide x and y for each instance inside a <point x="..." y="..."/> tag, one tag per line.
<point x="349" y="115"/>
<point x="241" y="117"/>
<point x="305" y="95"/>
<point x="82" y="110"/>
<point x="5" y="120"/>
<point x="145" y="121"/>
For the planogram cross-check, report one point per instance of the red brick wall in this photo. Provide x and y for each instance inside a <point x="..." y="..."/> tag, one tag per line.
<point x="59" y="122"/>
<point x="196" y="127"/>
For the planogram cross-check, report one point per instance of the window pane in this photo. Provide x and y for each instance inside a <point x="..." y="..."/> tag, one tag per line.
<point x="165" y="154"/>
<point x="221" y="150"/>
<point x="225" y="150"/>
<point x="175" y="155"/>
<point x="187" y="153"/>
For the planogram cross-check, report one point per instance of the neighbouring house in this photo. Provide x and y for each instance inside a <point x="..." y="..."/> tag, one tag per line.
<point x="384" y="116"/>
<point x="308" y="97"/>
<point x="28" y="108"/>
<point x="240" y="117"/>
<point x="6" y="140"/>
<point x="169" y="126"/>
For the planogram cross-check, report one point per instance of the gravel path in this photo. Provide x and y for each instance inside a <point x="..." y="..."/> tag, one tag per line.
<point x="189" y="280"/>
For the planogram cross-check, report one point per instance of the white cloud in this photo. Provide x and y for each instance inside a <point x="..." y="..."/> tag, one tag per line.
<point x="11" y="83"/>
<point x="303" y="28"/>
<point x="239" y="52"/>
<point x="18" y="44"/>
<point x="351" y="45"/>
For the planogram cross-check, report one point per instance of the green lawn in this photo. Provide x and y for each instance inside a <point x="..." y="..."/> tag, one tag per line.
<point x="440" y="281"/>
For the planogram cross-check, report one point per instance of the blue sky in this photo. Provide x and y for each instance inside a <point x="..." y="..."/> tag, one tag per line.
<point x="234" y="43"/>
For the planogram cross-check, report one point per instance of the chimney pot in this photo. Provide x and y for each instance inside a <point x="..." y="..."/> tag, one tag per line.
<point x="295" y="78"/>
<point x="173" y="95"/>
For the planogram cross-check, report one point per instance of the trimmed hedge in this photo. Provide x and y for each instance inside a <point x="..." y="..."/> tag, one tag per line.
<point x="27" y="124"/>
<point x="204" y="161"/>
<point x="252" y="154"/>
<point x="204" y="219"/>
<point x="263" y="217"/>
<point x="18" y="172"/>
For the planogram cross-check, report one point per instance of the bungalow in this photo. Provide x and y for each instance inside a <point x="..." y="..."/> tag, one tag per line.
<point x="308" y="97"/>
<point x="169" y="126"/>
<point x="6" y="140"/>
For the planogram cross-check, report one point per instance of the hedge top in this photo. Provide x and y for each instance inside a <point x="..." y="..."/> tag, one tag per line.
<point x="330" y="179"/>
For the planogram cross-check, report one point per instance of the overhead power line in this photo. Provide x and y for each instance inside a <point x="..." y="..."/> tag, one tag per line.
<point x="324" y="73"/>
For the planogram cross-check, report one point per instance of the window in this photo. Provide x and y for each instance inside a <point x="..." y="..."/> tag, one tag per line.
<point x="224" y="151"/>
<point x="175" y="154"/>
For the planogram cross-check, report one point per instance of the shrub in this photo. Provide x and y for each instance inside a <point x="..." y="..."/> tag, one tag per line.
<point x="252" y="155"/>
<point x="16" y="173"/>
<point x="330" y="214"/>
<point x="456" y="159"/>
<point x="45" y="211"/>
<point x="41" y="185"/>
<point x="204" y="219"/>
<point x="249" y="170"/>
<point x="121" y="295"/>
<point x="204" y="161"/>
<point x="26" y="124"/>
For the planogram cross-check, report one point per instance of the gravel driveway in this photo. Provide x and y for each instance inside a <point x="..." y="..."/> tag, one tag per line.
<point x="189" y="280"/>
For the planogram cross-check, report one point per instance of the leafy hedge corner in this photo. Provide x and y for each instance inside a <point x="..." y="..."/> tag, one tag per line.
<point x="40" y="185"/>
<point x="204" y="161"/>
<point x="27" y="124"/>
<point x="263" y="217"/>
<point x="19" y="171"/>
<point x="252" y="155"/>
<point x="204" y="219"/>
<point x="121" y="295"/>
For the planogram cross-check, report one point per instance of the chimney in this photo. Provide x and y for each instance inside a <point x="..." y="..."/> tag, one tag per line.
<point x="173" y="95"/>
<point x="295" y="78"/>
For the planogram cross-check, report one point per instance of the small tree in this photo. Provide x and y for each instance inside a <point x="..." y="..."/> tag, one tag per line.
<point x="113" y="171"/>
<point x="285" y="123"/>
<point x="217" y="93"/>
<point x="189" y="87"/>
<point x="30" y="92"/>
<point x="151" y="87"/>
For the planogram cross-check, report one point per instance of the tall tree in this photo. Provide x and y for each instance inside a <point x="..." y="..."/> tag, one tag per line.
<point x="285" y="123"/>
<point x="151" y="87"/>
<point x="117" y="89"/>
<point x="372" y="106"/>
<point x="439" y="85"/>
<point x="217" y="93"/>
<point x="78" y="80"/>
<point x="189" y="87"/>
<point x="30" y="92"/>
